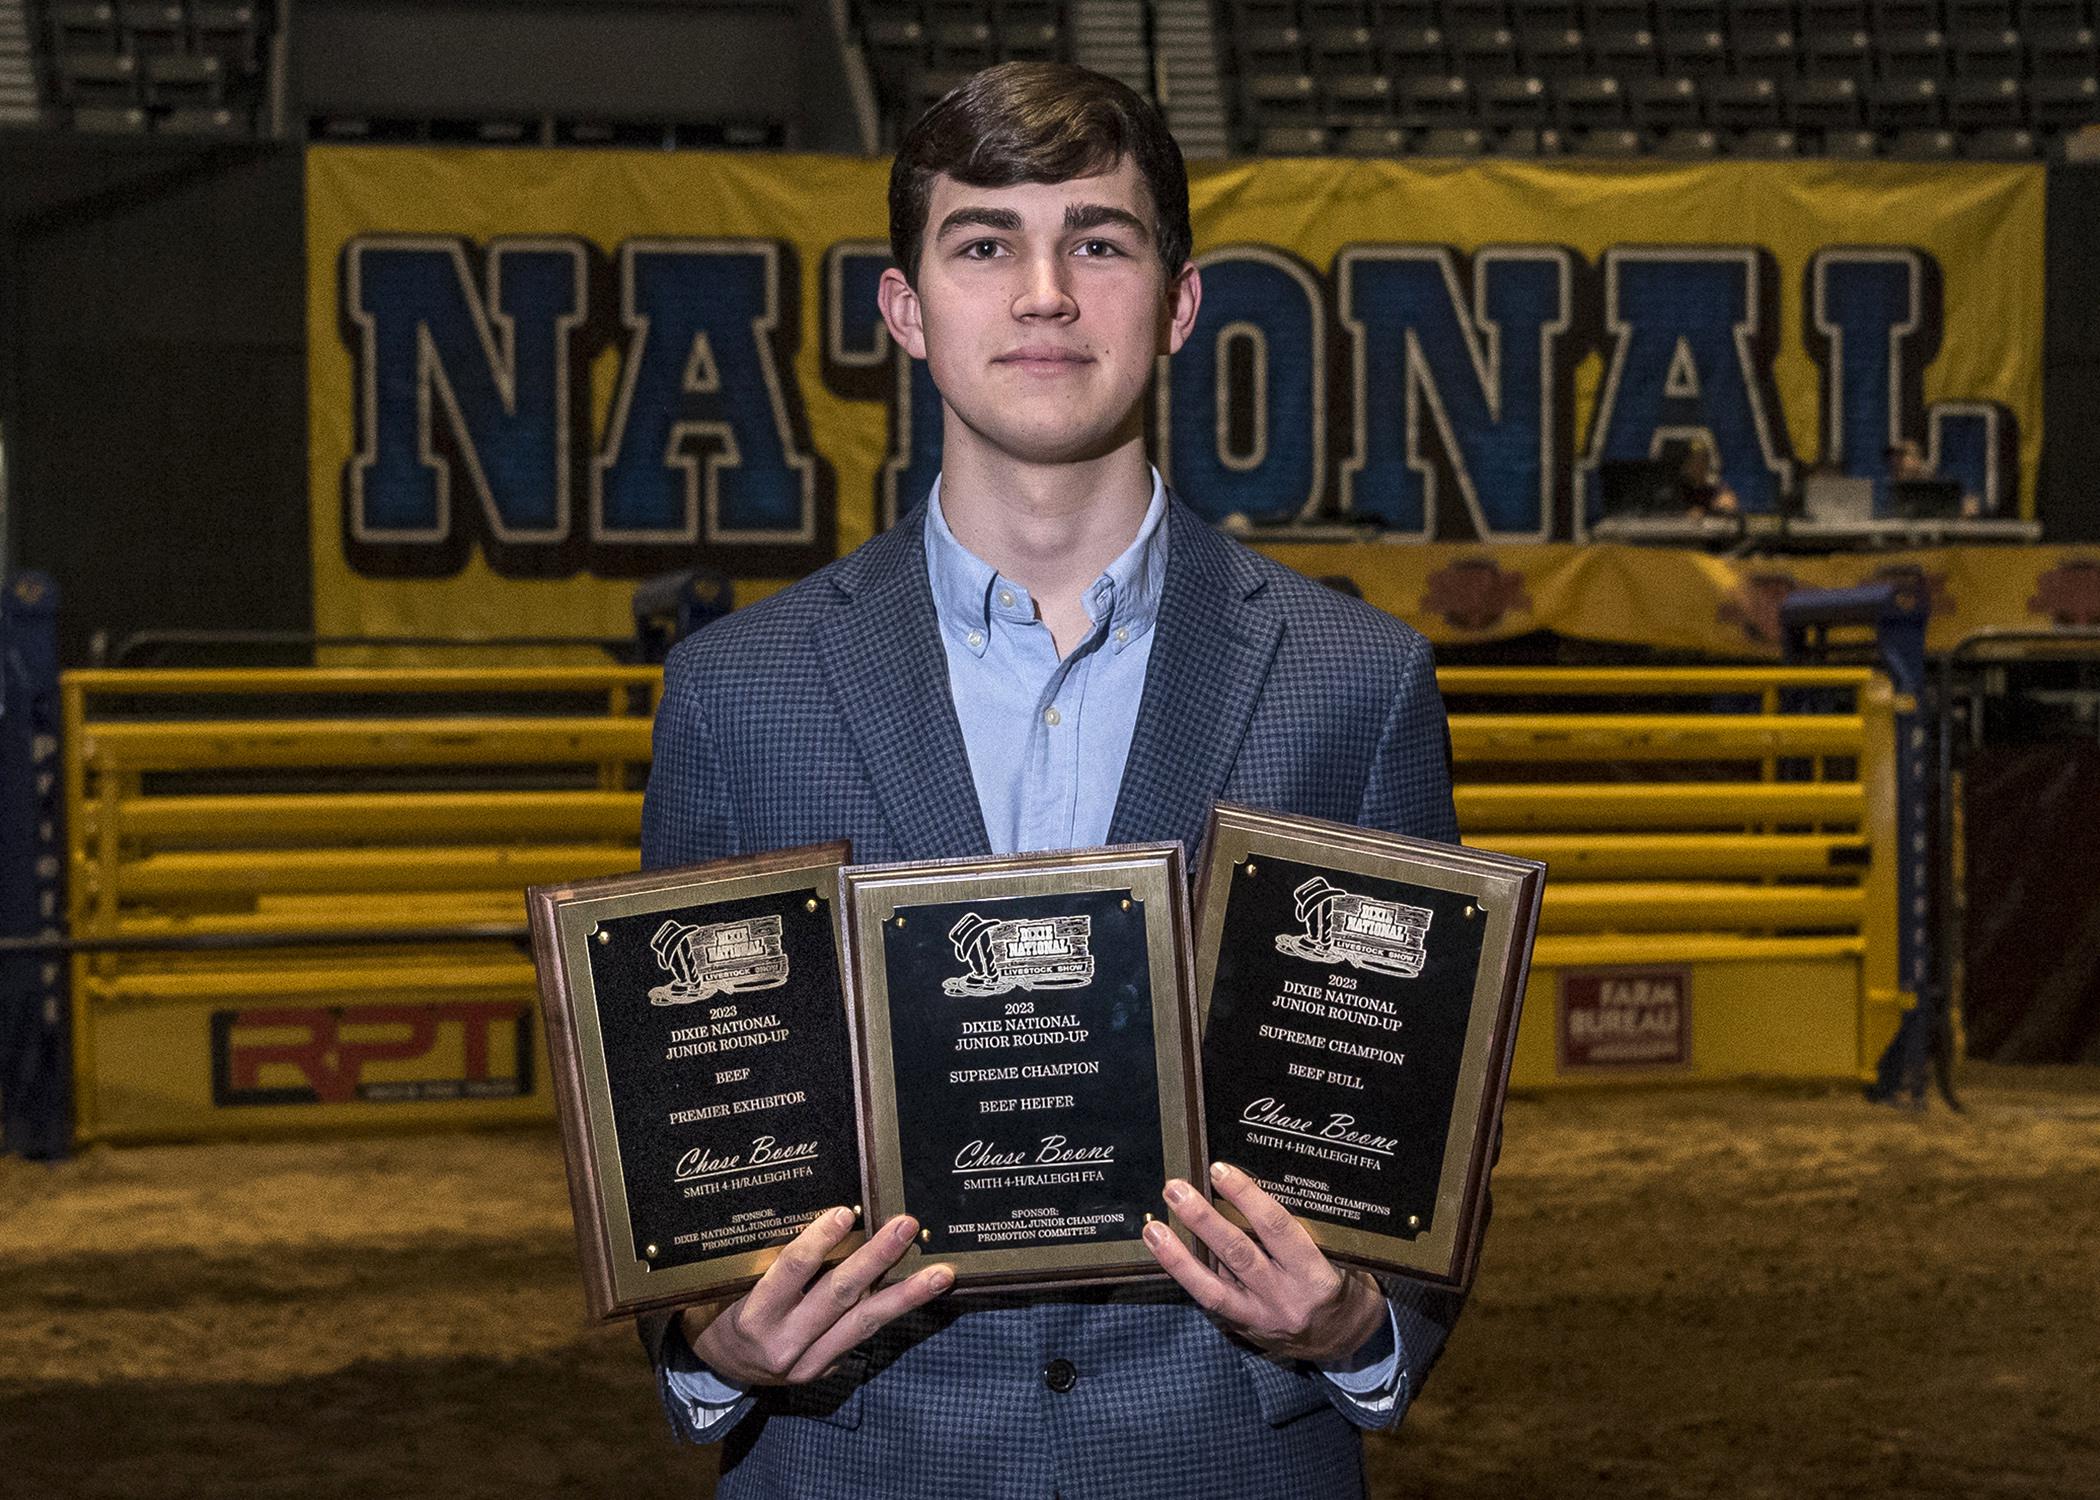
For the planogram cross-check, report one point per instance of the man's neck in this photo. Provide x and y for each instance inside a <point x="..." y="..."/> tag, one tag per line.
<point x="1051" y="529"/>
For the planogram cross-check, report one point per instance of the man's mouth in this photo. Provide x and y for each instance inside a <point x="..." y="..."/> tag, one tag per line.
<point x="1048" y="357"/>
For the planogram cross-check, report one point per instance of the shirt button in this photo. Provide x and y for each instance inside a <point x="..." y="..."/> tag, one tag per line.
<point x="975" y="638"/>
<point x="1060" y="1376"/>
<point x="1006" y="597"/>
<point x="1122" y="634"/>
<point x="1052" y="717"/>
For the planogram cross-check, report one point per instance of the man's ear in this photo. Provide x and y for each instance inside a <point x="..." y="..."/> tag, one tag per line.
<point x="900" y="310"/>
<point x="1184" y="296"/>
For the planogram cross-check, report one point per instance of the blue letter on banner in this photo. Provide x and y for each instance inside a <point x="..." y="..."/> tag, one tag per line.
<point x="699" y="434"/>
<point x="498" y="369"/>
<point x="1442" y="392"/>
<point x="1691" y="361"/>
<point x="1259" y="300"/>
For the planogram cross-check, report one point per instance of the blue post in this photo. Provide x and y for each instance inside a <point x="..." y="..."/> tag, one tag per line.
<point x="1897" y="614"/>
<point x="36" y="1103"/>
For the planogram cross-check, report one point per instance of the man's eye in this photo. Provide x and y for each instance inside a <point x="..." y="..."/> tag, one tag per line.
<point x="981" y="249"/>
<point x="1101" y="247"/>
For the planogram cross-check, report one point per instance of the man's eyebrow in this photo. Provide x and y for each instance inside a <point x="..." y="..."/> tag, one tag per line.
<point x="1094" y="215"/>
<point x="1004" y="220"/>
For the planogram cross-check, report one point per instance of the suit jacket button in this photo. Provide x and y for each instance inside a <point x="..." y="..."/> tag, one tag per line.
<point x="1060" y="1376"/>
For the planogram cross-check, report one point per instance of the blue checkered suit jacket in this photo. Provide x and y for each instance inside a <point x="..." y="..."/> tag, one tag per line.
<point x="824" y="713"/>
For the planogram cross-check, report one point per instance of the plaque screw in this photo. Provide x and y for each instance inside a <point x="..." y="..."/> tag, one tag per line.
<point x="604" y="936"/>
<point x="1148" y="1218"/>
<point x="926" y="1234"/>
<point x="1414" y="1221"/>
<point x="650" y="1252"/>
<point x="1126" y="903"/>
<point x="1469" y="914"/>
<point x="1250" y="867"/>
<point x="810" y="904"/>
<point x="856" y="1210"/>
<point x="900" y="921"/>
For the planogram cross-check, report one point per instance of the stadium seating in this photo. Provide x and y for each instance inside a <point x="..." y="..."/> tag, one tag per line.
<point x="181" y="69"/>
<point x="1989" y="79"/>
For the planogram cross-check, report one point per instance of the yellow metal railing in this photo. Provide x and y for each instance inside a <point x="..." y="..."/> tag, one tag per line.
<point x="244" y="804"/>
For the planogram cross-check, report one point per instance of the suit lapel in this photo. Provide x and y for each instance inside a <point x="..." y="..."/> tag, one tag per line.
<point x="1210" y="656"/>
<point x="882" y="653"/>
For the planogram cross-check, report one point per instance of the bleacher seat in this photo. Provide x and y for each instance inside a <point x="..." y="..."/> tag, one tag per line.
<point x="1617" y="15"/>
<point x="1484" y="51"/>
<point x="1744" y="104"/>
<point x="1971" y="15"/>
<point x="188" y="82"/>
<point x="1512" y="102"/>
<point x="1031" y="44"/>
<point x="1414" y="49"/>
<point x="1435" y="102"/>
<point x="154" y="30"/>
<point x="2060" y="51"/>
<point x="1529" y="142"/>
<point x="1449" y="140"/>
<point x="202" y="122"/>
<point x="1324" y="15"/>
<point x="1766" y="143"/>
<point x="2001" y="145"/>
<point x="1985" y="103"/>
<point x="1609" y="143"/>
<point x="1545" y="15"/>
<point x="1698" y="54"/>
<point x="1590" y="103"/>
<point x="1987" y="52"/>
<point x="1291" y="140"/>
<point x="1344" y="48"/>
<point x="1824" y="104"/>
<point x="1359" y="99"/>
<point x="102" y="120"/>
<point x="2063" y="103"/>
<point x="1271" y="49"/>
<point x="1463" y="15"/>
<point x="1751" y="16"/>
<point x="1280" y="98"/>
<point x="1689" y="145"/>
<point x="1663" y="103"/>
<point x="1907" y="53"/>
<point x="95" y="79"/>
<point x="1924" y="145"/>
<point x="1900" y="15"/>
<point x="1767" y="52"/>
<point x="1834" y="15"/>
<point x="83" y="28"/>
<point x="1851" y="145"/>
<point x="1623" y="52"/>
<point x="227" y="32"/>
<point x="1691" y="15"/>
<point x="962" y="45"/>
<point x="1373" y="140"/>
<point x="1837" y="54"/>
<point x="2059" y="14"/>
<point x="1552" y="52"/>
<point x="1411" y="15"/>
<point x="1905" y="104"/>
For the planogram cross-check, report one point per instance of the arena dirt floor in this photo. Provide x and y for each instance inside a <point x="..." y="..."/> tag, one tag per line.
<point x="1744" y="1291"/>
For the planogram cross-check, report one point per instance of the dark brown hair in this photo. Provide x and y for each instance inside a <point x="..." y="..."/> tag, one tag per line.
<point x="1037" y="122"/>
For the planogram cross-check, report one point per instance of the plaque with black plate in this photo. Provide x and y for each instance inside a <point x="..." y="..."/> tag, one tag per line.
<point x="1026" y="1038"/>
<point x="702" y="1068"/>
<point x="1360" y="996"/>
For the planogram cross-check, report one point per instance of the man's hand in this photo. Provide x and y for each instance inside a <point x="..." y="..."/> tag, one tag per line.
<point x="796" y="1323"/>
<point x="1281" y="1292"/>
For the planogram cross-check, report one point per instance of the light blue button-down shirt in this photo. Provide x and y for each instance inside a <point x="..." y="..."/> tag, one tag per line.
<point x="1047" y="740"/>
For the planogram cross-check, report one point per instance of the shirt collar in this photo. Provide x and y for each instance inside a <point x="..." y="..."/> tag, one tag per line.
<point x="967" y="590"/>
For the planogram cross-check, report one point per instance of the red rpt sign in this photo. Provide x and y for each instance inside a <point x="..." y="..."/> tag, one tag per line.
<point x="1623" y="1019"/>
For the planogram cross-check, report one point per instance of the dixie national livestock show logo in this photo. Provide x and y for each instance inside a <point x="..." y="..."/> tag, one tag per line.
<point x="1386" y="937"/>
<point x="718" y="958"/>
<point x="1029" y="954"/>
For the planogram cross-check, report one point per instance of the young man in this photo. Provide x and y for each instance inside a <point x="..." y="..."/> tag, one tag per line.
<point x="1050" y="652"/>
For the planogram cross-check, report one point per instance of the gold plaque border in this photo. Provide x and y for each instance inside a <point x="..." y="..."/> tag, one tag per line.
<point x="565" y="919"/>
<point x="1153" y="874"/>
<point x="1508" y="890"/>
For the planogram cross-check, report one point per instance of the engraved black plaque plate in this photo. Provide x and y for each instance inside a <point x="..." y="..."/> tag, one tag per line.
<point x="1027" y="1055"/>
<point x="1362" y="994"/>
<point x="703" y="1069"/>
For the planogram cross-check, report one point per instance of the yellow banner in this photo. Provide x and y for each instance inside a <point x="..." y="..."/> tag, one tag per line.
<point x="538" y="377"/>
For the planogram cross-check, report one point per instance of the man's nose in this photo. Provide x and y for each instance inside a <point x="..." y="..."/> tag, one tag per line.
<point x="1045" y="289"/>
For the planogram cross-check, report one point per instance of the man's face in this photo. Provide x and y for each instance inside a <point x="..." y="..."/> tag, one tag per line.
<point x="1040" y="310"/>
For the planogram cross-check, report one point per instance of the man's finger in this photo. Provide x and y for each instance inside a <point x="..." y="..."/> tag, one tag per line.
<point x="1245" y="1259"/>
<point x="834" y="1294"/>
<point x="794" y="1268"/>
<point x="869" y="1316"/>
<point x="1282" y="1237"/>
<point x="1205" y="1287"/>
